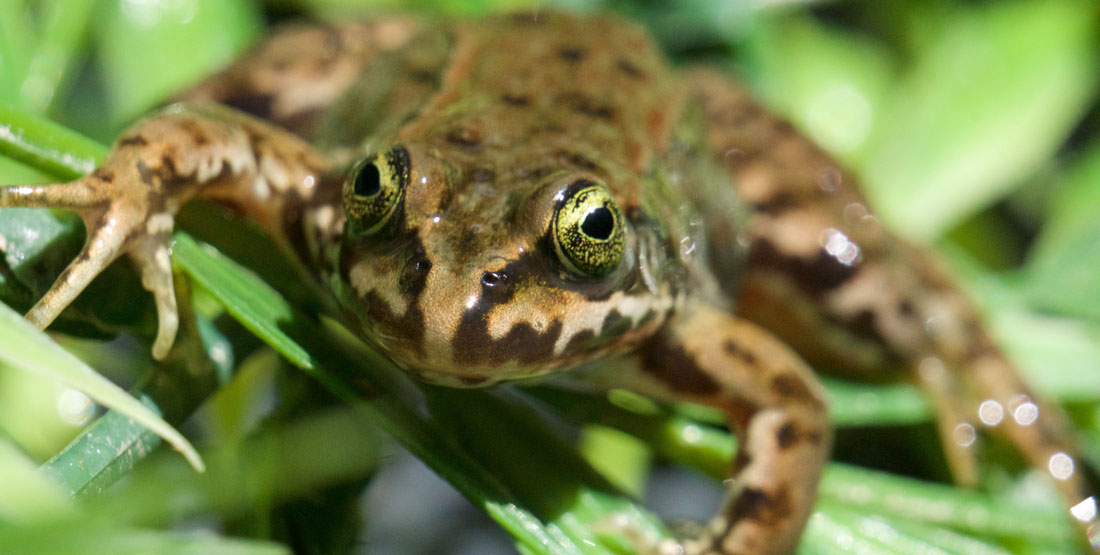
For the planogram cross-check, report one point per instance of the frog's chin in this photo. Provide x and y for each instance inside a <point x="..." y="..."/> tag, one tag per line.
<point x="462" y="377"/>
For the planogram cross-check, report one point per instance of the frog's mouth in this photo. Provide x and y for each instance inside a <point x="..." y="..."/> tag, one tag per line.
<point x="516" y="326"/>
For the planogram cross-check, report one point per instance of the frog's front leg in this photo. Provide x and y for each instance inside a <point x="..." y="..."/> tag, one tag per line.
<point x="775" y="406"/>
<point x="129" y="203"/>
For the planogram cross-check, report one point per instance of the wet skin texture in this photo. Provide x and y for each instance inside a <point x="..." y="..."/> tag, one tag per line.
<point x="500" y="199"/>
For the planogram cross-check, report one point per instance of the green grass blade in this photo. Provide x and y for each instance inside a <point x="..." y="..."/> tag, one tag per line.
<point x="252" y="302"/>
<point x="884" y="494"/>
<point x="860" y="404"/>
<point x="1064" y="267"/>
<point x="93" y="540"/>
<point x="26" y="495"/>
<point x="62" y="35"/>
<point x="46" y="145"/>
<point x="16" y="46"/>
<point x="996" y="90"/>
<point x="29" y="349"/>
<point x="192" y="38"/>
<point x="280" y="456"/>
<point x="103" y="453"/>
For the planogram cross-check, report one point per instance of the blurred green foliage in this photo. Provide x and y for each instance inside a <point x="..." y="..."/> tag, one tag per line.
<point x="973" y="124"/>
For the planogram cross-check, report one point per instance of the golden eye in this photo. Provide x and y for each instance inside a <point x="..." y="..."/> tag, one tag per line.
<point x="373" y="189"/>
<point x="588" y="229"/>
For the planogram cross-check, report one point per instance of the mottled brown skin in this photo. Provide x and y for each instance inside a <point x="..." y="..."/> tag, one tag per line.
<point x="497" y="120"/>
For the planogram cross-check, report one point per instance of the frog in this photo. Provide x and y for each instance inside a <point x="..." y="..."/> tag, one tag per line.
<point x="512" y="197"/>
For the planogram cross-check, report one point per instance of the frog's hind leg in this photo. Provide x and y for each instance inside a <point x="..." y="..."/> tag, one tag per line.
<point x="776" y="407"/>
<point x="826" y="277"/>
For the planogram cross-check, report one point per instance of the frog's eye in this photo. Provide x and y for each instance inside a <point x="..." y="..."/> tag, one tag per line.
<point x="587" y="229"/>
<point x="373" y="189"/>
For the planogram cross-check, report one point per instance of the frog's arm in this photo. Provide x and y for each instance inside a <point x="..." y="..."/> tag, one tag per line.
<point x="825" y="276"/>
<point x="775" y="406"/>
<point x="129" y="203"/>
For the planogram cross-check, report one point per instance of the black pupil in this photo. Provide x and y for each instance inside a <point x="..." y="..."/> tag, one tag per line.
<point x="598" y="223"/>
<point x="369" y="181"/>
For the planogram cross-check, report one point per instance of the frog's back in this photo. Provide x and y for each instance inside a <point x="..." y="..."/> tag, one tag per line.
<point x="529" y="93"/>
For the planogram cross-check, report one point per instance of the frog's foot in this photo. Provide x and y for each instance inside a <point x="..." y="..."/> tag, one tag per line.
<point x="129" y="203"/>
<point x="1040" y="431"/>
<point x="116" y="224"/>
<point x="776" y="407"/>
<point x="956" y="432"/>
<point x="983" y="391"/>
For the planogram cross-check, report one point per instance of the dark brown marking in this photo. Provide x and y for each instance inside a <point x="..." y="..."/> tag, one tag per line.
<point x="425" y="76"/>
<point x="302" y="119"/>
<point x="815" y="275"/>
<point x="572" y="54"/>
<point x="259" y="104"/>
<point x="615" y="324"/>
<point x="675" y="367"/>
<point x="789" y="387"/>
<point x="906" y="309"/>
<point x="628" y="67"/>
<point x="411" y="323"/>
<point x="255" y="141"/>
<point x="787" y="435"/>
<point x="133" y="140"/>
<point x="515" y="99"/>
<point x="537" y="172"/>
<point x="756" y="504"/>
<point x="862" y="326"/>
<point x="169" y="166"/>
<point x="581" y="341"/>
<point x="472" y="343"/>
<point x="195" y="130"/>
<point x="588" y="106"/>
<point x="146" y="174"/>
<point x="735" y="351"/>
<point x="578" y="159"/>
<point x="776" y="204"/>
<point x="103" y="175"/>
<point x="741" y="460"/>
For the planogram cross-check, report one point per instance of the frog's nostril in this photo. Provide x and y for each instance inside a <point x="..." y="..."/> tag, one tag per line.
<point x="492" y="279"/>
<point x="415" y="275"/>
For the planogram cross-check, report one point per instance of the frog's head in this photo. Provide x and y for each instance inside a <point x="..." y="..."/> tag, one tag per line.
<point x="468" y="274"/>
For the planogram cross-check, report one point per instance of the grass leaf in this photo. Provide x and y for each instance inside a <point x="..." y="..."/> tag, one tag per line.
<point x="997" y="90"/>
<point x="31" y="350"/>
